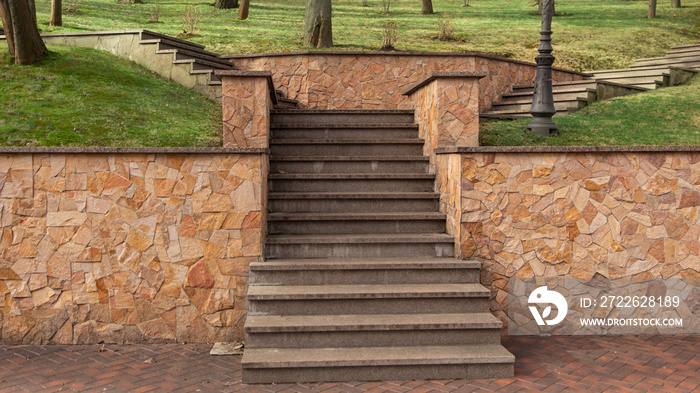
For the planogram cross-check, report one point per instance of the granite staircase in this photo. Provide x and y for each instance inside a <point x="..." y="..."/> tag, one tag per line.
<point x="359" y="281"/>
<point x="675" y="68"/>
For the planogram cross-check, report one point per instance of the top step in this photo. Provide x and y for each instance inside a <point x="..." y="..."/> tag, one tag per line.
<point x="314" y="117"/>
<point x="152" y="36"/>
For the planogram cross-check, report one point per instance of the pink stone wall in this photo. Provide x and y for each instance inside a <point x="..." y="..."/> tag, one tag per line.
<point x="246" y="111"/>
<point x="127" y="248"/>
<point x="615" y="215"/>
<point x="365" y="81"/>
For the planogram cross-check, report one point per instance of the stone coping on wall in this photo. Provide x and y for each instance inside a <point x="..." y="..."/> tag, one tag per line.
<point x="251" y="74"/>
<point x="442" y="74"/>
<point x="394" y="53"/>
<point x="566" y="149"/>
<point x="133" y="150"/>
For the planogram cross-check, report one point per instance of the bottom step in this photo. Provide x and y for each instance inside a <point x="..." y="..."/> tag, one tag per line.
<point x="290" y="365"/>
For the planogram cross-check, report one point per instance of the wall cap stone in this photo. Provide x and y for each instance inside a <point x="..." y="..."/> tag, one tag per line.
<point x="442" y="74"/>
<point x="250" y="74"/>
<point x="566" y="149"/>
<point x="134" y="150"/>
<point x="394" y="53"/>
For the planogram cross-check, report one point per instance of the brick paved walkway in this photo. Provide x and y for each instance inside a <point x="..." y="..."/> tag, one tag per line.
<point x="552" y="364"/>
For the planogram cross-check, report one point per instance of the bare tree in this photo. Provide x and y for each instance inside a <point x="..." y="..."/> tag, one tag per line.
<point x="427" y="7"/>
<point x="318" y="30"/>
<point x="243" y="10"/>
<point x="652" y="9"/>
<point x="56" y="13"/>
<point x="675" y="3"/>
<point x="23" y="39"/>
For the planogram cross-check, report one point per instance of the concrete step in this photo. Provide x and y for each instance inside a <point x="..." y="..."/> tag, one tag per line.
<point x="367" y="299"/>
<point x="150" y="37"/>
<point x="307" y="117"/>
<point x="660" y="79"/>
<point x="349" y="182"/>
<point x="692" y="62"/>
<point x="355" y="223"/>
<point x="200" y="63"/>
<point x="525" y="106"/>
<point x="691" y="51"/>
<point x="370" y="164"/>
<point x="571" y="93"/>
<point x="307" y="202"/>
<point x="187" y="53"/>
<point x="561" y="86"/>
<point x="685" y="47"/>
<point x="346" y="147"/>
<point x="375" y="364"/>
<point x="369" y="271"/>
<point x="370" y="245"/>
<point x="360" y="131"/>
<point x="377" y="330"/>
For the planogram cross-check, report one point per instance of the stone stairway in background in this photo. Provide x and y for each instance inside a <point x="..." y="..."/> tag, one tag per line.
<point x="180" y="61"/>
<point x="679" y="65"/>
<point x="359" y="281"/>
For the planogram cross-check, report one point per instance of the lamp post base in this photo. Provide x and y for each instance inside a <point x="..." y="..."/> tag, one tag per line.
<point x="542" y="126"/>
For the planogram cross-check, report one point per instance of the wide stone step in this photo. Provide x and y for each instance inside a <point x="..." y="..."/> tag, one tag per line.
<point x="685" y="47"/>
<point x="355" y="223"/>
<point x="359" y="131"/>
<point x="561" y="86"/>
<point x="525" y="105"/>
<point x="348" y="271"/>
<point x="661" y="79"/>
<point x="302" y="202"/>
<point x="373" y="245"/>
<point x="685" y="52"/>
<point x="375" y="364"/>
<point x="150" y="37"/>
<point x="349" y="182"/>
<point x="378" y="330"/>
<point x="348" y="164"/>
<point x="637" y="71"/>
<point x="305" y="117"/>
<point x="346" y="147"/>
<point x="572" y="93"/>
<point x="367" y="299"/>
<point x="685" y="62"/>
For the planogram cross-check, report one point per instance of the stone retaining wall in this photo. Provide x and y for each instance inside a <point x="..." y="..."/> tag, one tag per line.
<point x="375" y="80"/>
<point x="128" y="245"/>
<point x="548" y="213"/>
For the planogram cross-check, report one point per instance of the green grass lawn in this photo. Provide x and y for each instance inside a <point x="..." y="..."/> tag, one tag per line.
<point x="84" y="97"/>
<point x="588" y="34"/>
<point x="669" y="116"/>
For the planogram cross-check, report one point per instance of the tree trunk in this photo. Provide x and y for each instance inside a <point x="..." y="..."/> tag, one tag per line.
<point x="652" y="9"/>
<point x="56" y="13"/>
<point x="23" y="39"/>
<point x="225" y="4"/>
<point x="243" y="10"/>
<point x="318" y="31"/>
<point x="675" y="3"/>
<point x="427" y="7"/>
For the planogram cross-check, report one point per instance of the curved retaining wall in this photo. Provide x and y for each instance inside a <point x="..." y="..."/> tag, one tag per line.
<point x="375" y="80"/>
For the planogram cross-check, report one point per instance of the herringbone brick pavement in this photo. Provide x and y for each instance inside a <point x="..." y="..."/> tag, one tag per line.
<point x="666" y="364"/>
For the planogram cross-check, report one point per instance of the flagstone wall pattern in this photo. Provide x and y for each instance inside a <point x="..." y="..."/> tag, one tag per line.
<point x="608" y="215"/>
<point x="373" y="80"/>
<point x="127" y="248"/>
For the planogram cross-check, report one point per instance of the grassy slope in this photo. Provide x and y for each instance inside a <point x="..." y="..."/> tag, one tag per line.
<point x="84" y="97"/>
<point x="669" y="116"/>
<point x="589" y="34"/>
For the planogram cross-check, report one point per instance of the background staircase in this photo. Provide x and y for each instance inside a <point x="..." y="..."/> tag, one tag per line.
<point x="679" y="65"/>
<point x="359" y="282"/>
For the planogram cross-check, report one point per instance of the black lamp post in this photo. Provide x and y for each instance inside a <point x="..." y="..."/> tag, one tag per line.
<point x="542" y="108"/>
